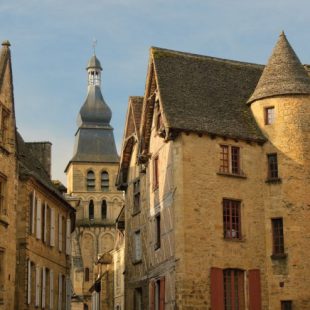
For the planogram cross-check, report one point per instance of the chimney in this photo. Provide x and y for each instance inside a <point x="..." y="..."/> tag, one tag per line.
<point x="43" y="152"/>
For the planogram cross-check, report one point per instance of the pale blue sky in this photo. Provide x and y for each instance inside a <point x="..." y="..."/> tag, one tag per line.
<point x="52" y="42"/>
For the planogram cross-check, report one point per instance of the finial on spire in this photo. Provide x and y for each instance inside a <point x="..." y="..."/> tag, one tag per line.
<point x="94" y="45"/>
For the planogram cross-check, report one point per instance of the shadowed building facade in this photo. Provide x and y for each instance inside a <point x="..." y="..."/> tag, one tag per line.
<point x="216" y="167"/>
<point x="91" y="175"/>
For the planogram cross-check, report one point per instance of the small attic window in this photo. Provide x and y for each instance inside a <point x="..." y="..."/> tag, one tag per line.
<point x="269" y="115"/>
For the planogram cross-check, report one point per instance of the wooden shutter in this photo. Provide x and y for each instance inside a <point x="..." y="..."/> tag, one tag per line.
<point x="162" y="293"/>
<point x="59" y="233"/>
<point x="59" y="291"/>
<point x="255" y="302"/>
<point x="39" y="215"/>
<point x="37" y="297"/>
<point x="51" y="289"/>
<point x="33" y="212"/>
<point x="152" y="294"/>
<point x="68" y="237"/>
<point x="217" y="289"/>
<point x="29" y="282"/>
<point x="45" y="223"/>
<point x="43" y="286"/>
<point x="68" y="293"/>
<point x="52" y="239"/>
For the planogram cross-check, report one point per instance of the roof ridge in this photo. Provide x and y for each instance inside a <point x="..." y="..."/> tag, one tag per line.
<point x="193" y="55"/>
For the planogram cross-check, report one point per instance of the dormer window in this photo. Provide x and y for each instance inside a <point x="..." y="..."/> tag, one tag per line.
<point x="90" y="180"/>
<point x="104" y="181"/>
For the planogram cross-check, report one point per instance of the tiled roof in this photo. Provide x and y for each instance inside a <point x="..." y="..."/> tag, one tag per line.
<point x="207" y="94"/>
<point x="283" y="75"/>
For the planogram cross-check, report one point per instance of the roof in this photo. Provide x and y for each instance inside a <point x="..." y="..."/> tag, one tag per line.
<point x="29" y="165"/>
<point x="283" y="75"/>
<point x="94" y="63"/>
<point x="206" y="94"/>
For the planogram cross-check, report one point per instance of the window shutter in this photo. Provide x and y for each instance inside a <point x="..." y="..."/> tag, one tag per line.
<point x="162" y="294"/>
<point x="39" y="215"/>
<point x="45" y="224"/>
<point x="37" y="297"/>
<point x="33" y="211"/>
<point x="59" y="291"/>
<point x="52" y="227"/>
<point x="43" y="286"/>
<point x="51" y="289"/>
<point x="152" y="294"/>
<point x="255" y="302"/>
<point x="68" y="293"/>
<point x="29" y="283"/>
<point x="68" y="237"/>
<point x="60" y="233"/>
<point x="217" y="289"/>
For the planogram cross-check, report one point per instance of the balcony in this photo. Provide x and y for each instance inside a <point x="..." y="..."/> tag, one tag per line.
<point x="94" y="222"/>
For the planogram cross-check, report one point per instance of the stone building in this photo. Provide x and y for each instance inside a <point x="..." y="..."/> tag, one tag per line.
<point x="216" y="167"/>
<point x="8" y="181"/>
<point x="43" y="233"/>
<point x="91" y="175"/>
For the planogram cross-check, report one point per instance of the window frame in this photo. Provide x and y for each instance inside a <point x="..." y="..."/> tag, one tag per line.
<point x="278" y="245"/>
<point x="286" y="304"/>
<point x="232" y="228"/>
<point x="272" y="166"/>
<point x="105" y="181"/>
<point x="91" y="210"/>
<point x="3" y="195"/>
<point x="137" y="247"/>
<point x="104" y="205"/>
<point x="157" y="239"/>
<point x="269" y="118"/>
<point x="230" y="160"/>
<point x="90" y="181"/>
<point x="155" y="173"/>
<point x="136" y="196"/>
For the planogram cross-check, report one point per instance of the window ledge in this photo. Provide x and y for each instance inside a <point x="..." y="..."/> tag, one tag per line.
<point x="136" y="262"/>
<point x="240" y="176"/>
<point x="4" y="220"/>
<point x="234" y="239"/>
<point x="135" y="212"/>
<point x="274" y="181"/>
<point x="279" y="256"/>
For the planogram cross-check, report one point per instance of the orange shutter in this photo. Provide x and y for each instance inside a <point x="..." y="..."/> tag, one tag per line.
<point x="217" y="289"/>
<point x="162" y="294"/>
<point x="152" y="294"/>
<point x="255" y="290"/>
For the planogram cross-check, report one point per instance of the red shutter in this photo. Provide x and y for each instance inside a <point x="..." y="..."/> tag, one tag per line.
<point x="152" y="294"/>
<point x="162" y="294"/>
<point x="217" y="289"/>
<point x="255" y="290"/>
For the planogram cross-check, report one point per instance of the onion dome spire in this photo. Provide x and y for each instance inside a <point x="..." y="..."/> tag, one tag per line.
<point x="283" y="75"/>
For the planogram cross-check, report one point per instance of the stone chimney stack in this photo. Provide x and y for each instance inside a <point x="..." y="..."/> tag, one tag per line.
<point x="43" y="152"/>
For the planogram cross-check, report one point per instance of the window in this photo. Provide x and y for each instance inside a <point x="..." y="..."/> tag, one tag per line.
<point x="90" y="180"/>
<point x="277" y="237"/>
<point x="3" y="209"/>
<point x="157" y="294"/>
<point x="272" y="166"/>
<point x="286" y="305"/>
<point x="91" y="214"/>
<point x="104" y="181"/>
<point x="230" y="160"/>
<point x="269" y="116"/>
<point x="231" y="219"/>
<point x="4" y="118"/>
<point x="137" y="247"/>
<point x="86" y="274"/>
<point x="138" y="298"/>
<point x="103" y="210"/>
<point x="136" y="196"/>
<point x="155" y="173"/>
<point x="157" y="232"/>
<point x="233" y="289"/>
<point x="43" y="223"/>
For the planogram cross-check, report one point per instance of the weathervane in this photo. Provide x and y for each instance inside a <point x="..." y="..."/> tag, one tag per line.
<point x="94" y="46"/>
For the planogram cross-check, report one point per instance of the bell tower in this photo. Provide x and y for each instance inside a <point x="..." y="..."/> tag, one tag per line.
<point x="91" y="175"/>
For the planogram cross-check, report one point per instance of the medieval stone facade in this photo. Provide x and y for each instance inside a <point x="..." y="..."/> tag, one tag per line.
<point x="91" y="176"/>
<point x="8" y="181"/>
<point x="215" y="164"/>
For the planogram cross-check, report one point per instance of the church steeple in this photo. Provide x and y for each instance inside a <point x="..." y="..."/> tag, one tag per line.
<point x="94" y="141"/>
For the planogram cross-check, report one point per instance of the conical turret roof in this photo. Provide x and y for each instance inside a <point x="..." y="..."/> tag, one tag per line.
<point x="94" y="63"/>
<point x="283" y="75"/>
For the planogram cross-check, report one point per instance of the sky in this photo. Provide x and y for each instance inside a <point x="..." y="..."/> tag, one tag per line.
<point x="51" y="43"/>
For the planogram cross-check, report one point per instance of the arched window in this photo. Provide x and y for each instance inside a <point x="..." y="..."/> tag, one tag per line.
<point x="90" y="180"/>
<point x="104" y="181"/>
<point x="91" y="210"/>
<point x="86" y="274"/>
<point x="104" y="210"/>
